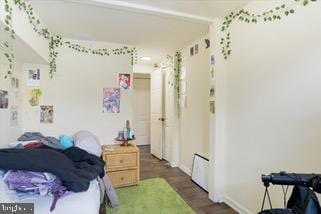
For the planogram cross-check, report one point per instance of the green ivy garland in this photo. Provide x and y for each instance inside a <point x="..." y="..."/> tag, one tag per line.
<point x="245" y="16"/>
<point x="33" y="20"/>
<point x="54" y="41"/>
<point x="177" y="69"/>
<point x="8" y="49"/>
<point x="105" y="52"/>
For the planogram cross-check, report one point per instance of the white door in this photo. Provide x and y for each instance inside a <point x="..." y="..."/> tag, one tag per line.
<point x="156" y="109"/>
<point x="171" y="142"/>
<point x="168" y="111"/>
<point x="141" y="109"/>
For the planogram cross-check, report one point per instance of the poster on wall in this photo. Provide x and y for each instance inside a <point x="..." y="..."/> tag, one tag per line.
<point x="207" y="43"/>
<point x="4" y="99"/>
<point x="196" y="49"/>
<point x="34" y="97"/>
<point x="46" y="114"/>
<point x="14" y="116"/>
<point x="212" y="73"/>
<point x="33" y="77"/>
<point x="14" y="83"/>
<point x="212" y="60"/>
<point x="124" y="81"/>
<point x="212" y="92"/>
<point x="111" y="100"/>
<point x="191" y="51"/>
<point x="212" y="107"/>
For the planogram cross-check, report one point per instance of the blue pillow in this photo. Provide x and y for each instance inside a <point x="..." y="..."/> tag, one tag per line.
<point x="66" y="141"/>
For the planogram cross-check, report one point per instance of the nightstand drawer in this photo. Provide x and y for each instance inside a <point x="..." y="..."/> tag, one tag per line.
<point x="118" y="161"/>
<point x="123" y="178"/>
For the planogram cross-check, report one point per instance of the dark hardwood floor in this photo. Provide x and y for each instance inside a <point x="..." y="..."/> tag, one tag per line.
<point x="194" y="196"/>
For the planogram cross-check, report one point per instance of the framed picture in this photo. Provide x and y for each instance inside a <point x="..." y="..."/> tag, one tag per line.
<point x="200" y="171"/>
<point x="124" y="81"/>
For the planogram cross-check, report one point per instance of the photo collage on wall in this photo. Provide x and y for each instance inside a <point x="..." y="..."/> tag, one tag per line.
<point x="14" y="116"/>
<point x="4" y="99"/>
<point x="7" y="101"/>
<point x="212" y="80"/>
<point x="15" y="86"/>
<point x="35" y="93"/>
<point x="111" y="96"/>
<point x="194" y="50"/>
<point x="182" y="88"/>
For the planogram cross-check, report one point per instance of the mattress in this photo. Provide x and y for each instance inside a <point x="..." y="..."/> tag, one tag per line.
<point x="81" y="203"/>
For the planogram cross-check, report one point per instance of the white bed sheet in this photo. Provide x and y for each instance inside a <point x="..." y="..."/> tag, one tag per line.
<point x="75" y="203"/>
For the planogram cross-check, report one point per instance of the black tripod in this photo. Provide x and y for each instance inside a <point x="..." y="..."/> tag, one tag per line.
<point x="302" y="198"/>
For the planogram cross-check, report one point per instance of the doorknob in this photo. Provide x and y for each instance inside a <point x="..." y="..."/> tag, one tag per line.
<point x="161" y="119"/>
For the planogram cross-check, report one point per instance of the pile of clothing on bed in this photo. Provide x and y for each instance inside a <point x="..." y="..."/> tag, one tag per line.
<point x="36" y="166"/>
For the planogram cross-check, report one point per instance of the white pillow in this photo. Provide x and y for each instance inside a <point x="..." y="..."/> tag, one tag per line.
<point x="88" y="142"/>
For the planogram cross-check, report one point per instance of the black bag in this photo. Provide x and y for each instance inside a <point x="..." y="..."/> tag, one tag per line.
<point x="304" y="201"/>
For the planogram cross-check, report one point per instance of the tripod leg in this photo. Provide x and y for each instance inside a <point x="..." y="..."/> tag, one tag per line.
<point x="266" y="193"/>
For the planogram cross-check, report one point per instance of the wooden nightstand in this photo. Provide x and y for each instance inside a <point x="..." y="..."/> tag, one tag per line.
<point x="122" y="165"/>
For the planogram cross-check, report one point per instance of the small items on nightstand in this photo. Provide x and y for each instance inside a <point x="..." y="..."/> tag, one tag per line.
<point x="126" y="135"/>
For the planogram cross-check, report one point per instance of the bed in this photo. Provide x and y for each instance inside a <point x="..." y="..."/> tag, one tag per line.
<point x="76" y="169"/>
<point x="81" y="203"/>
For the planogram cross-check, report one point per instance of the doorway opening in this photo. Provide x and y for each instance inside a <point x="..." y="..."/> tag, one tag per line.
<point x="141" y="108"/>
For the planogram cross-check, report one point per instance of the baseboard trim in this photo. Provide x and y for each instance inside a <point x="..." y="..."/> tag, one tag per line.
<point x="174" y="164"/>
<point x="236" y="206"/>
<point x="186" y="170"/>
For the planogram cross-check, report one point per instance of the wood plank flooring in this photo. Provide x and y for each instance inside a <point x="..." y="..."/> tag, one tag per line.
<point x="194" y="196"/>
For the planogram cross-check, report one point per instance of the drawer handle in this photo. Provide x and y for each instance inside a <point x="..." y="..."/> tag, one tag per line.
<point x="122" y="178"/>
<point x="121" y="161"/>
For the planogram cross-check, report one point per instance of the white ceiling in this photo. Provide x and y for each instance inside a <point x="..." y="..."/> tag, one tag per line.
<point x="204" y="8"/>
<point x="155" y="27"/>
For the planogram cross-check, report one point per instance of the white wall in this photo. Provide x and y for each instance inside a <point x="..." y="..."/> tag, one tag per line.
<point x="9" y="133"/>
<point x="273" y="102"/>
<point x="194" y="119"/>
<point x="142" y="68"/>
<point x="218" y="121"/>
<point x="76" y="93"/>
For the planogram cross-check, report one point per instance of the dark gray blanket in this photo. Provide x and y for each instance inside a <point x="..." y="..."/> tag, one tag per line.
<point x="75" y="167"/>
